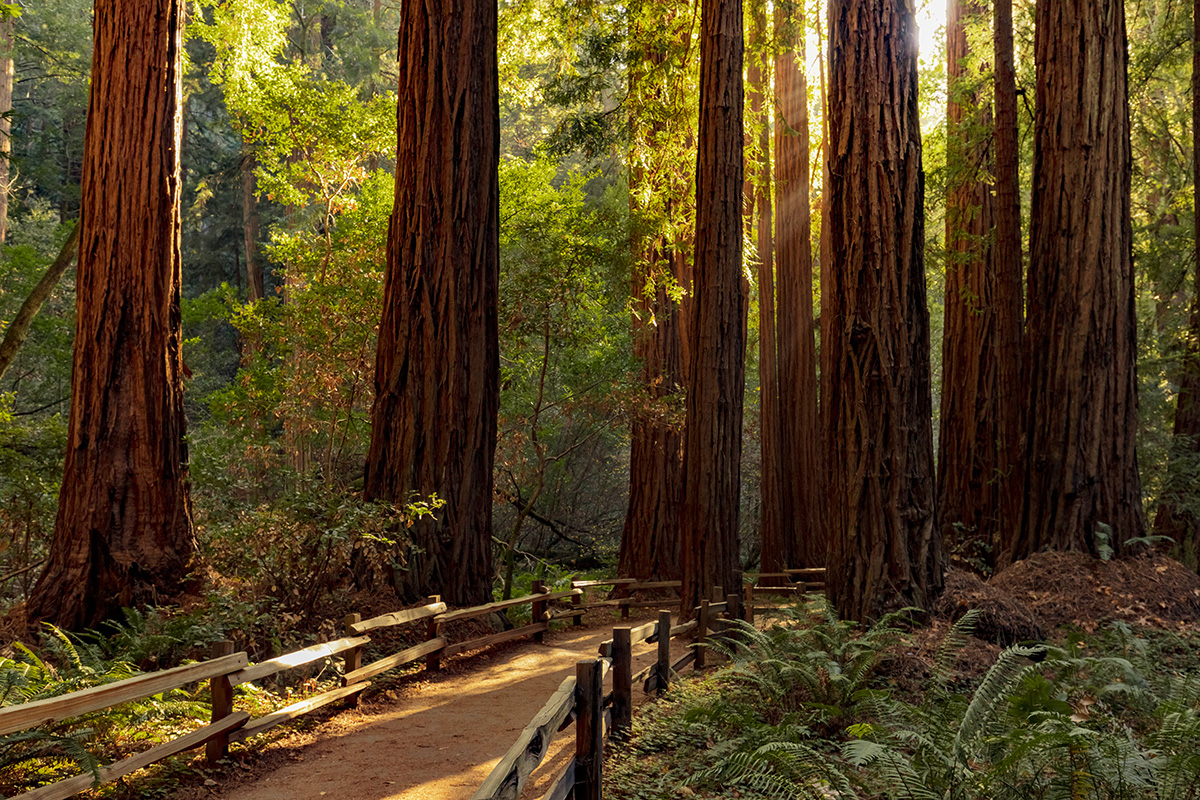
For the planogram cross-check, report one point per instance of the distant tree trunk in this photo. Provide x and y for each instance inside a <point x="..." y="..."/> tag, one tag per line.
<point x="973" y="471"/>
<point x="124" y="531"/>
<point x="772" y="488"/>
<point x="7" y="40"/>
<point x="437" y="368"/>
<point x="884" y="550"/>
<point x="803" y="540"/>
<point x="1081" y="466"/>
<point x="18" y="329"/>
<point x="250" y="228"/>
<point x="650" y="540"/>
<point x="1008" y="266"/>
<point x="716" y="380"/>
<point x="1171" y="520"/>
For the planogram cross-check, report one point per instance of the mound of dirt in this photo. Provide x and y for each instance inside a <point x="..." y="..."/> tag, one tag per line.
<point x="1077" y="589"/>
<point x="1002" y="620"/>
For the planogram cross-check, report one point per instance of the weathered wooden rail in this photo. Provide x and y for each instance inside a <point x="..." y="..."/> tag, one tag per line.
<point x="226" y="670"/>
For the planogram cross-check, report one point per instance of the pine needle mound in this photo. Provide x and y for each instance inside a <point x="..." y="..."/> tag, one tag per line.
<point x="1077" y="589"/>
<point x="1002" y="618"/>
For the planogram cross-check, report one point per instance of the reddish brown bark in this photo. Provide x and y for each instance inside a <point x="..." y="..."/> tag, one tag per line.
<point x="884" y="549"/>
<point x="1172" y="520"/>
<point x="1009" y="268"/>
<point x="716" y="380"/>
<point x="437" y="368"/>
<point x="772" y="487"/>
<point x="123" y="535"/>
<point x="1081" y="466"/>
<point x="980" y="355"/>
<point x="803" y="542"/>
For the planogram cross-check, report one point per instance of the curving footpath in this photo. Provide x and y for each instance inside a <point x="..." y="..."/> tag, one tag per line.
<point x="441" y="741"/>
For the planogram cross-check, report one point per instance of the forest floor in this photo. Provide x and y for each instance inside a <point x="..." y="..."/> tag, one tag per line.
<point x="435" y="738"/>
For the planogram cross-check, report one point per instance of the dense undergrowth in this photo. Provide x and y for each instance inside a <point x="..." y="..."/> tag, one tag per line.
<point x="814" y="707"/>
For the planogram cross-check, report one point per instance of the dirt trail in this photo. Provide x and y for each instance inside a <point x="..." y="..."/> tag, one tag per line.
<point x="440" y="742"/>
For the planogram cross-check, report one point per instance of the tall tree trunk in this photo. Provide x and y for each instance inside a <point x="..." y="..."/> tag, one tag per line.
<point x="8" y="26"/>
<point x="1172" y="520"/>
<point x="1008" y="266"/>
<point x="772" y="520"/>
<point x="1081" y="473"/>
<point x="970" y="445"/>
<point x="124" y="531"/>
<point x="803" y="542"/>
<point x="716" y="380"/>
<point x="250" y="228"/>
<point x="884" y="549"/>
<point x="437" y="368"/>
<point x="650" y="540"/>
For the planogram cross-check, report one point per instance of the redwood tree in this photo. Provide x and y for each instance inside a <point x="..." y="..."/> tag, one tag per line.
<point x="1172" y="520"/>
<point x="884" y="549"/>
<point x="1081" y="481"/>
<point x="716" y="380"/>
<point x="980" y="425"/>
<point x="123" y="535"/>
<point x="651" y="537"/>
<point x="437" y="367"/>
<point x="802" y="537"/>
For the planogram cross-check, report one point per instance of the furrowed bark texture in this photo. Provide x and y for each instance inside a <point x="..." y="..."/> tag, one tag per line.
<point x="650" y="540"/>
<point x="716" y="379"/>
<point x="803" y="540"/>
<point x="437" y="368"/>
<point x="1081" y="466"/>
<point x="978" y="418"/>
<point x="884" y="549"/>
<point x="1008" y="266"/>
<point x="772" y="521"/>
<point x="123" y="535"/>
<point x="1171" y="520"/>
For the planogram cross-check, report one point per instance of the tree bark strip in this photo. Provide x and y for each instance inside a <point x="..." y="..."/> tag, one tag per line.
<point x="716" y="380"/>
<point x="975" y="442"/>
<point x="651" y="537"/>
<point x="884" y="550"/>
<point x="1081" y="465"/>
<point x="123" y="535"/>
<point x="437" y="368"/>
<point x="803" y="540"/>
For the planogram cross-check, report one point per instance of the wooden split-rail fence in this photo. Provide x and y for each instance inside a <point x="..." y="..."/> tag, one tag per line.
<point x="227" y="670"/>
<point x="581" y="699"/>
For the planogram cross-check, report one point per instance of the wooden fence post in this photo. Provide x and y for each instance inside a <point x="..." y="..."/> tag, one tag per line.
<point x="701" y="632"/>
<point x="538" y="609"/>
<point x="622" y="665"/>
<point x="577" y="600"/>
<point x="221" y="691"/>
<point x="433" y="629"/>
<point x="664" y="650"/>
<point x="733" y="606"/>
<point x="589" y="731"/>
<point x="353" y="657"/>
<point x="748" y="604"/>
